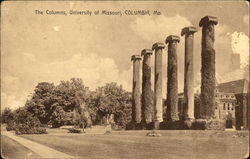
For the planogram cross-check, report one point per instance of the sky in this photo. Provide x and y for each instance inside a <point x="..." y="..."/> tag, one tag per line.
<point x="50" y="48"/>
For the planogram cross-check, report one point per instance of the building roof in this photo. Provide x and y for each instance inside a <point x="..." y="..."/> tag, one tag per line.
<point x="238" y="86"/>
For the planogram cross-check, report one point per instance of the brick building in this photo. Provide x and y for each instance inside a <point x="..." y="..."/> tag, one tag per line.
<point x="225" y="104"/>
<point x="234" y="96"/>
<point x="231" y="103"/>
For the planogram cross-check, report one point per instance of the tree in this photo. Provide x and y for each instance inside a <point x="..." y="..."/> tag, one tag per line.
<point x="53" y="104"/>
<point x="41" y="101"/>
<point x="81" y="117"/>
<point x="71" y="93"/>
<point x="7" y="115"/>
<point x="112" y="99"/>
<point x="27" y="123"/>
<point x="123" y="115"/>
<point x="71" y="102"/>
<point x="58" y="117"/>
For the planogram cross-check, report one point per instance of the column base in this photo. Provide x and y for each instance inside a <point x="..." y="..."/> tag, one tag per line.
<point x="156" y="125"/>
<point x="188" y="123"/>
<point x="133" y="126"/>
<point x="143" y="125"/>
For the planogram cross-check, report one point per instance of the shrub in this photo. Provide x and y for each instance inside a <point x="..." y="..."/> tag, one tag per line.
<point x="69" y="118"/>
<point x="199" y="124"/>
<point x="10" y="125"/>
<point x="165" y="125"/>
<point x="130" y="126"/>
<point x="74" y="130"/>
<point x="215" y="124"/>
<point x="58" y="117"/>
<point x="180" y="125"/>
<point x="26" y="123"/>
<point x="211" y="124"/>
<point x="175" y="125"/>
<point x="114" y="126"/>
<point x="7" y="115"/>
<point x="25" y="129"/>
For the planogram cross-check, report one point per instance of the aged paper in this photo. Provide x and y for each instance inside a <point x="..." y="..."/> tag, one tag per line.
<point x="127" y="79"/>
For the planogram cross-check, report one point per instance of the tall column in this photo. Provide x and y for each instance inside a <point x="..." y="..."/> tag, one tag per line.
<point x="188" y="105"/>
<point x="244" y="111"/>
<point x="158" y="84"/>
<point x="207" y="67"/>
<point x="146" y="87"/>
<point x="172" y="86"/>
<point x="136" y="93"/>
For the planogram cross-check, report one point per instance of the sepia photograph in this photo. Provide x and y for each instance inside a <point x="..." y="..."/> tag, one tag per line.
<point x="125" y="79"/>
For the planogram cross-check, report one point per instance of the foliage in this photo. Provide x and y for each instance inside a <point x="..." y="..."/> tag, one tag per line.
<point x="86" y="118"/>
<point x="112" y="99"/>
<point x="71" y="103"/>
<point x="207" y="74"/>
<point x="58" y="117"/>
<point x="147" y="93"/>
<point x="81" y="117"/>
<point x="10" y="125"/>
<point x="76" y="117"/>
<point x="7" y="115"/>
<point x="69" y="118"/>
<point x="210" y="124"/>
<point x="23" y="122"/>
<point x="26" y="123"/>
<point x="74" y="130"/>
<point x="214" y="124"/>
<point x="54" y="104"/>
<point x="199" y="124"/>
<point x="41" y="101"/>
<point x="25" y="129"/>
<point x="172" y="89"/>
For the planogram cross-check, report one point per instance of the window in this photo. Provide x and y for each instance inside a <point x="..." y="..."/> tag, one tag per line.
<point x="224" y="106"/>
<point x="228" y="106"/>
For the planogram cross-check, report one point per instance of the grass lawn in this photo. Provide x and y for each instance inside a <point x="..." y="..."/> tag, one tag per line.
<point x="13" y="150"/>
<point x="135" y="144"/>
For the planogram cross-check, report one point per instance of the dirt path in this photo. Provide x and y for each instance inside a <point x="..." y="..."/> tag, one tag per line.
<point x="41" y="150"/>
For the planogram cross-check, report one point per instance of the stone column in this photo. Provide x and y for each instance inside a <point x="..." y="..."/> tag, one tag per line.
<point x="136" y="92"/>
<point x="172" y="85"/>
<point x="207" y="67"/>
<point x="245" y="111"/>
<point x="188" y="104"/>
<point x="146" y="88"/>
<point x="158" y="84"/>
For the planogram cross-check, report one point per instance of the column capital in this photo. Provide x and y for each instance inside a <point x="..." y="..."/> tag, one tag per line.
<point x="188" y="30"/>
<point x="146" y="52"/>
<point x="135" y="57"/>
<point x="172" y="39"/>
<point x="205" y="21"/>
<point x="158" y="45"/>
